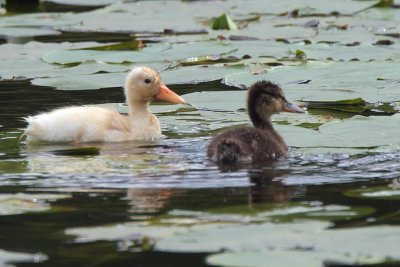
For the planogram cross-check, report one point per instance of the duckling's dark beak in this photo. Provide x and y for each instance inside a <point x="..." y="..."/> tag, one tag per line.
<point x="290" y="107"/>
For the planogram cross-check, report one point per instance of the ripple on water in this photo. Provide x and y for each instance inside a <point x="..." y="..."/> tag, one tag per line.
<point x="182" y="163"/>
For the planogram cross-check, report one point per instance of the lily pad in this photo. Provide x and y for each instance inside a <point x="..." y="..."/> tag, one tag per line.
<point x="92" y="75"/>
<point x="357" y="132"/>
<point x="13" y="32"/>
<point x="331" y="80"/>
<point x="365" y="131"/>
<point x="7" y="257"/>
<point x="269" y="212"/>
<point x="311" y="239"/>
<point x="307" y="7"/>
<point x="11" y="204"/>
<point x="83" y="82"/>
<point x="153" y="53"/>
<point x="386" y="193"/>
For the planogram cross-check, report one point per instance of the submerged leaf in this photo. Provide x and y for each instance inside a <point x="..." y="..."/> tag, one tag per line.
<point x="124" y="46"/>
<point x="355" y="105"/>
<point x="82" y="151"/>
<point x="385" y="3"/>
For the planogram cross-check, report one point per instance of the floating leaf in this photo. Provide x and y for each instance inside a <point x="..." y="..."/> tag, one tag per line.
<point x="386" y="193"/>
<point x="205" y="60"/>
<point x="300" y="55"/>
<point x="290" y="212"/>
<point x="312" y="240"/>
<point x="357" y="80"/>
<point x="20" y="203"/>
<point x="7" y="257"/>
<point x="357" y="132"/>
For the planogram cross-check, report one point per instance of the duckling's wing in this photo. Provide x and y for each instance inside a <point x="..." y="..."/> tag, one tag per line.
<point x="119" y="122"/>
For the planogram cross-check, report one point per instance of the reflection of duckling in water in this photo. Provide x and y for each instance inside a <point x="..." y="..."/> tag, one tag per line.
<point x="150" y="201"/>
<point x="259" y="143"/>
<point x="94" y="124"/>
<point x="266" y="188"/>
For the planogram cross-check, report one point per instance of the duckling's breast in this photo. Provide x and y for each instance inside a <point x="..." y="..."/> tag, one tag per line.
<point x="247" y="144"/>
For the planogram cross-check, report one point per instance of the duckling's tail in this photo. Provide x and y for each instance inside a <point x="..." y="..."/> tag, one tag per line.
<point x="228" y="152"/>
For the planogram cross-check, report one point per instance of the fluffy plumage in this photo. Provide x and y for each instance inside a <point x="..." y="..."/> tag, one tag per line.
<point x="94" y="124"/>
<point x="259" y="143"/>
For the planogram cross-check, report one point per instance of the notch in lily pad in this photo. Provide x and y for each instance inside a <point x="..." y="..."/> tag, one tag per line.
<point x="224" y="22"/>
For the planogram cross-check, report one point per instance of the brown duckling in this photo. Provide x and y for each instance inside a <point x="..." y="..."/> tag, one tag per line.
<point x="260" y="143"/>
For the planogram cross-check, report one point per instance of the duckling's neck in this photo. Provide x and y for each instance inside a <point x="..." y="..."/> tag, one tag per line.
<point x="138" y="109"/>
<point x="259" y="122"/>
<point x="264" y="125"/>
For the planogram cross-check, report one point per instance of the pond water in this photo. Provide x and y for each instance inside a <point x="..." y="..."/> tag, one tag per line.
<point x="333" y="201"/>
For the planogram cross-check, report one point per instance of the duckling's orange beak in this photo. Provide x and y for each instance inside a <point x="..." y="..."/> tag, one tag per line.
<point x="166" y="94"/>
<point x="290" y="107"/>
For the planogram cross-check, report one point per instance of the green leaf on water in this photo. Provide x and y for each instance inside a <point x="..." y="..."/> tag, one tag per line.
<point x="300" y="55"/>
<point x="224" y="22"/>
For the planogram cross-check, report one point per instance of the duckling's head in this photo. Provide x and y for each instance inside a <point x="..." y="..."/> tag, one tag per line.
<point x="144" y="84"/>
<point x="266" y="98"/>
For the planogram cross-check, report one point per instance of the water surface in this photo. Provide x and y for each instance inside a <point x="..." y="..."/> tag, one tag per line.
<point x="333" y="201"/>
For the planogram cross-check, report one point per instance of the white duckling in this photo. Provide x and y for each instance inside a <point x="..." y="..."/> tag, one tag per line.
<point x="79" y="124"/>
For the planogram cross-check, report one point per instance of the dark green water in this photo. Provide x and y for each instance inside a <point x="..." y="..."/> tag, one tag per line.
<point x="141" y="183"/>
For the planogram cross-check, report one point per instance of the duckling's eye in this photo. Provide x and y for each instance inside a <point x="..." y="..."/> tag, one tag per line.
<point x="147" y="80"/>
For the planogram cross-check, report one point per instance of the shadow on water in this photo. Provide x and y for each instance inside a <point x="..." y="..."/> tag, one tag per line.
<point x="30" y="6"/>
<point x="28" y="99"/>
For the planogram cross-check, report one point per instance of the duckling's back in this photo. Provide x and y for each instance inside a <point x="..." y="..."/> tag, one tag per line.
<point x="246" y="144"/>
